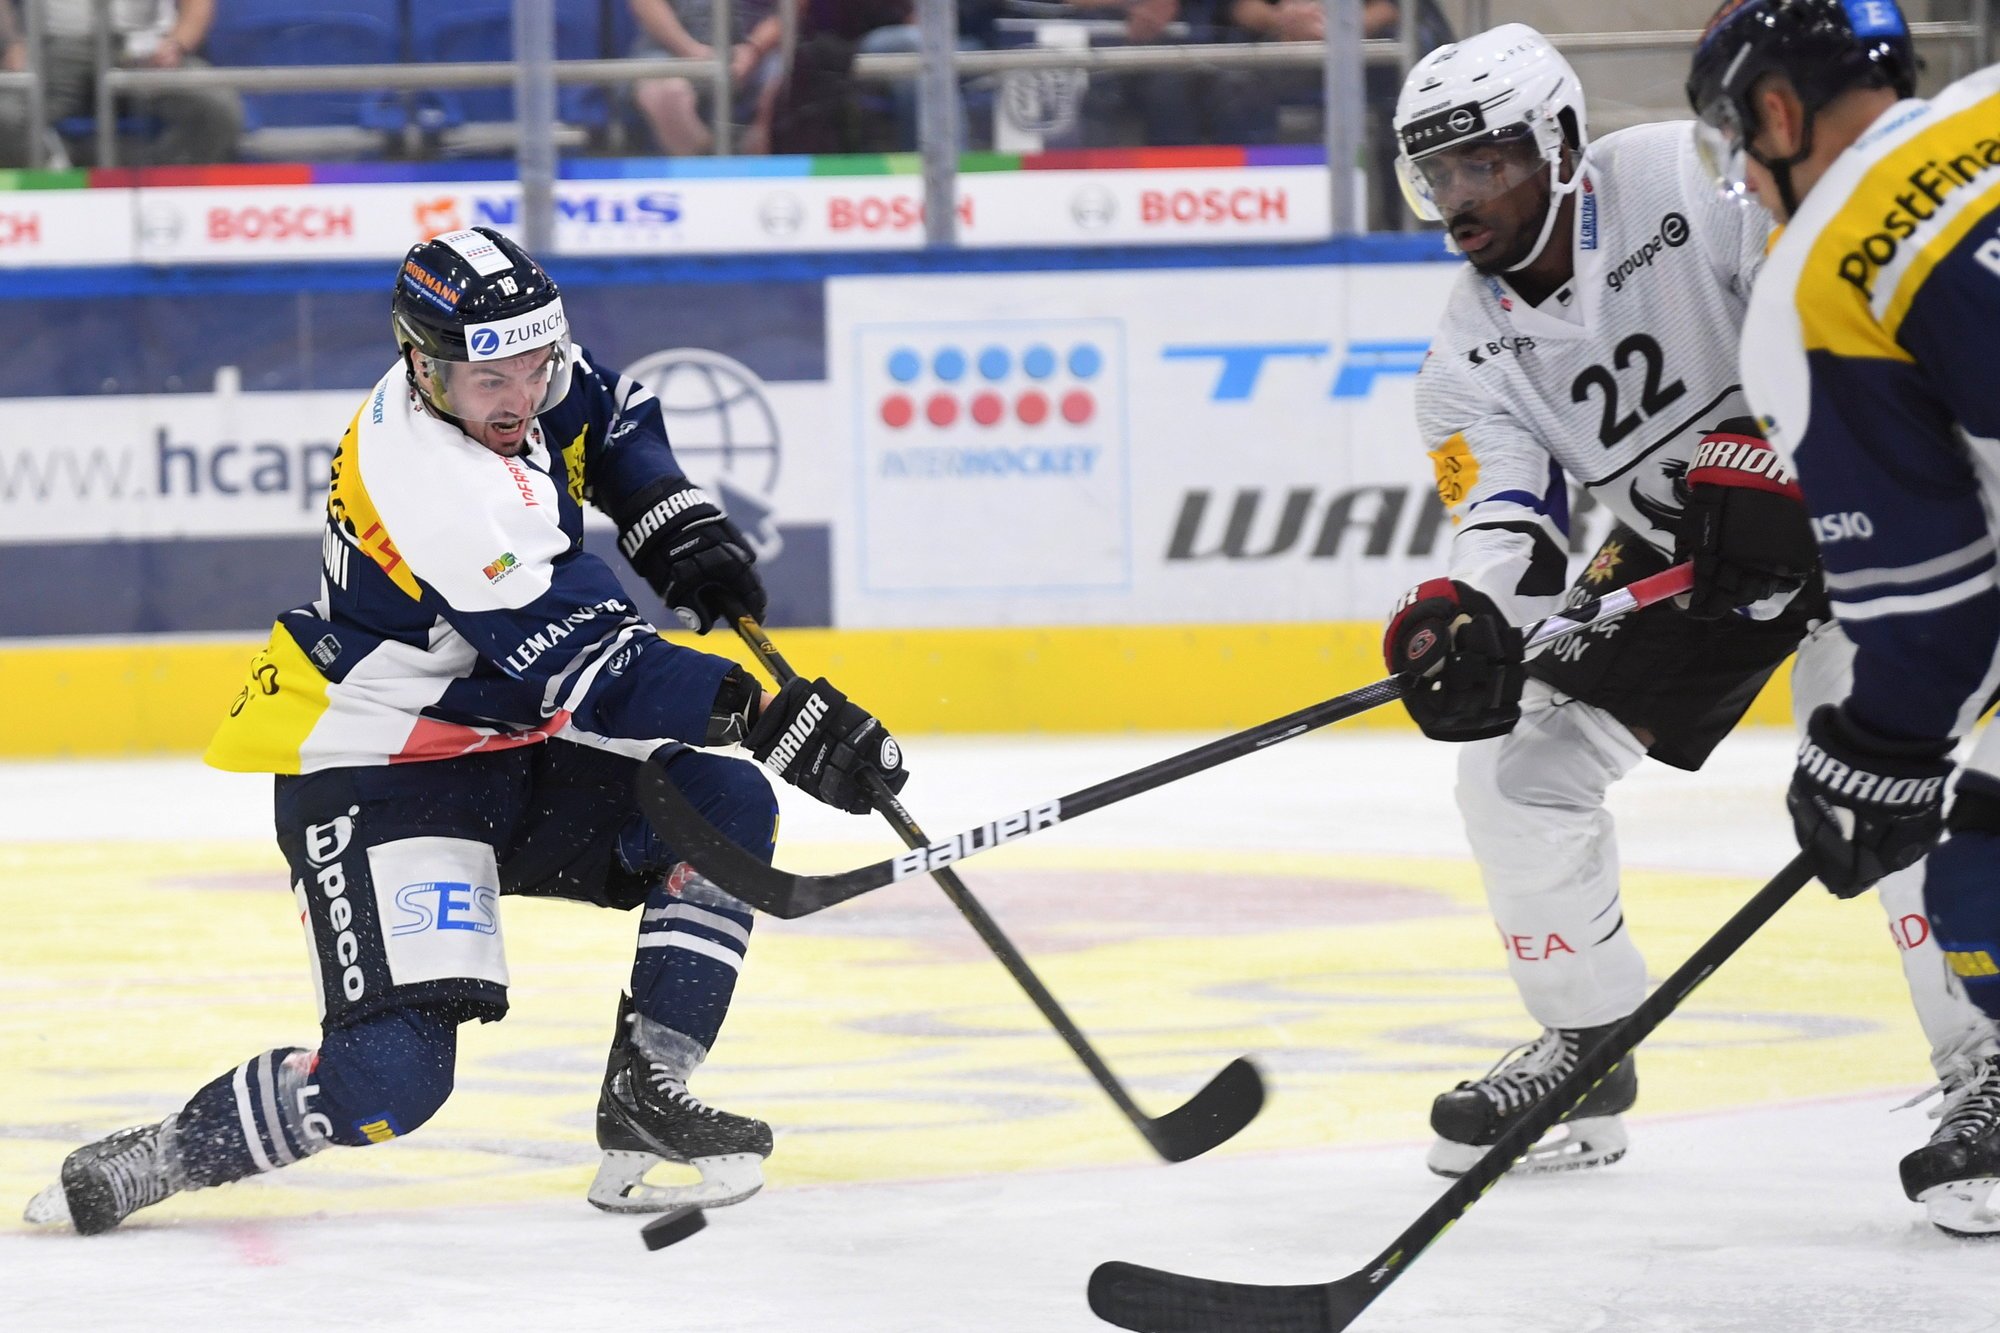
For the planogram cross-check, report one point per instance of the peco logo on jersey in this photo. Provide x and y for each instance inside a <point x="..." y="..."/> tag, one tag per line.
<point x="1853" y="525"/>
<point x="324" y="845"/>
<point x="522" y="333"/>
<point x="1929" y="185"/>
<point x="1672" y="235"/>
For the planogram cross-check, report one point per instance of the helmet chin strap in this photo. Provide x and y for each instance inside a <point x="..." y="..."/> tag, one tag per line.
<point x="1558" y="191"/>
<point x="1781" y="167"/>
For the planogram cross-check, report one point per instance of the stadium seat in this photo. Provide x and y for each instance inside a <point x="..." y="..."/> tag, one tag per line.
<point x="482" y="30"/>
<point x="336" y="32"/>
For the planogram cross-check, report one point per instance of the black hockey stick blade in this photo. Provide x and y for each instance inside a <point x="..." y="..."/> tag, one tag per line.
<point x="1151" y="1301"/>
<point x="671" y="1227"/>
<point x="1225" y="1105"/>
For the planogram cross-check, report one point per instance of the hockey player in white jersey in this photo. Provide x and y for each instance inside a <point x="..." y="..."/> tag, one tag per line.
<point x="1591" y="341"/>
<point x="1868" y="347"/>
<point x="461" y="714"/>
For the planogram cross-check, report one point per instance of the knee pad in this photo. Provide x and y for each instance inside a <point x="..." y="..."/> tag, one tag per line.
<point x="732" y="794"/>
<point x="383" y="1077"/>
<point x="1558" y="760"/>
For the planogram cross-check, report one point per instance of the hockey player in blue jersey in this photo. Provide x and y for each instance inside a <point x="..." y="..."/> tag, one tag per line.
<point x="460" y="715"/>
<point x="1867" y="351"/>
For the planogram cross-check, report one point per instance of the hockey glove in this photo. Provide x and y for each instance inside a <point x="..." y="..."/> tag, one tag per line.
<point x="1464" y="663"/>
<point x="810" y="736"/>
<point x="1863" y="805"/>
<point x="1745" y="529"/>
<point x="691" y="554"/>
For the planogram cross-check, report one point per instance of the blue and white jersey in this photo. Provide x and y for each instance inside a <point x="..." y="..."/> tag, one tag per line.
<point x="1868" y="352"/>
<point x="458" y="610"/>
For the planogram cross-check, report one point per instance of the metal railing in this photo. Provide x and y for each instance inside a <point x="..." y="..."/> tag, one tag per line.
<point x="1342" y="57"/>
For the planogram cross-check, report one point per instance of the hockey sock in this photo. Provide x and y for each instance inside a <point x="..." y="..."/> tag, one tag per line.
<point x="255" y="1118"/>
<point x="692" y="935"/>
<point x="1962" y="897"/>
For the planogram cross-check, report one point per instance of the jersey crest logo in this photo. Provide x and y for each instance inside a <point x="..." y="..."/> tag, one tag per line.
<point x="1604" y="565"/>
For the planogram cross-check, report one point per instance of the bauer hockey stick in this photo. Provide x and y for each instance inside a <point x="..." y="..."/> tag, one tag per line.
<point x="783" y="894"/>
<point x="1227" y="1103"/>
<point x="1153" y="1301"/>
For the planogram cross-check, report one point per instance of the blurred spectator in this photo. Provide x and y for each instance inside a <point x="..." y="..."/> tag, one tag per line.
<point x="196" y="125"/>
<point x="1305" y="21"/>
<point x="896" y="32"/>
<point x="678" y="110"/>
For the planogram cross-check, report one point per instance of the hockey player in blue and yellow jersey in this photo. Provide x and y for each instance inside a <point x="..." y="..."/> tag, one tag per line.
<point x="460" y="714"/>
<point x="1868" y="353"/>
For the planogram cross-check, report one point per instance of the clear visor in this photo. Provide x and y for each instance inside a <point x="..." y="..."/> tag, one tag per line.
<point x="1721" y="142"/>
<point x="505" y="391"/>
<point x="1467" y="175"/>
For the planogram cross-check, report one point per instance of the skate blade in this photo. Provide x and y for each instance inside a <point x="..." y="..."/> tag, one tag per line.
<point x="621" y="1187"/>
<point x="48" y="1206"/>
<point x="1964" y="1208"/>
<point x="1575" y="1145"/>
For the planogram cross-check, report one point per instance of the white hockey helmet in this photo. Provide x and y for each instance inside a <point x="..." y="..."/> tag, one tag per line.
<point x="1506" y="85"/>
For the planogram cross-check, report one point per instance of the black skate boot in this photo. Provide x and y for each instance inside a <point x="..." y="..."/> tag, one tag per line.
<point x="1956" y="1174"/>
<point x="1472" y="1116"/>
<point x="646" y="1115"/>
<point x="105" y="1182"/>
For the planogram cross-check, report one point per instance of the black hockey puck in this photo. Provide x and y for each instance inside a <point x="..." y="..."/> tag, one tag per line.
<point x="664" y="1230"/>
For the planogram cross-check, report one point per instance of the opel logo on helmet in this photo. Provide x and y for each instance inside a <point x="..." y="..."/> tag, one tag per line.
<point x="1461" y="120"/>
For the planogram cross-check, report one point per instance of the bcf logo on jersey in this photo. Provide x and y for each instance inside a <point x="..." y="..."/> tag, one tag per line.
<point x="986" y="448"/>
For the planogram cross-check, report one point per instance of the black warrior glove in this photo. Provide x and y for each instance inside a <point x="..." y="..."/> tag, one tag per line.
<point x="810" y="736"/>
<point x="1462" y="660"/>
<point x="1745" y="529"/>
<point x="1865" y="806"/>
<point x="691" y="554"/>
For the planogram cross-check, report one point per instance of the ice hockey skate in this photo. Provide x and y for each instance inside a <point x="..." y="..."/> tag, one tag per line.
<point x="105" y="1182"/>
<point x="1956" y="1176"/>
<point x="1472" y="1116"/>
<point x="646" y="1117"/>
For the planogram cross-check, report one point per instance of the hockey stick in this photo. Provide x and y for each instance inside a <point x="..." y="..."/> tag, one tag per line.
<point x="783" y="894"/>
<point x="1153" y="1301"/>
<point x="1227" y="1103"/>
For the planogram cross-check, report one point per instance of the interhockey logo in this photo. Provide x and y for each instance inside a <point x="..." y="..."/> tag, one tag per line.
<point x="987" y="386"/>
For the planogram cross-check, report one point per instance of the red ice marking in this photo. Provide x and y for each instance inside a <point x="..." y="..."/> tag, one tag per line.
<point x="254" y="1246"/>
<point x="987" y="408"/>
<point x="897" y="411"/>
<point x="1077" y="407"/>
<point x="1031" y="407"/>
<point x="942" y="409"/>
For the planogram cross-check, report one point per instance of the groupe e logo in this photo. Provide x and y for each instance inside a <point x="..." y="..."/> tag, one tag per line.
<point x="990" y="384"/>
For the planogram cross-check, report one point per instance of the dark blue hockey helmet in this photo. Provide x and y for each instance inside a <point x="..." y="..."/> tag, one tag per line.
<point x="474" y="297"/>
<point x="1823" y="47"/>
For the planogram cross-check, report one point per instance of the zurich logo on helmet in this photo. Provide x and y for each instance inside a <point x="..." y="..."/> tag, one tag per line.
<point x="485" y="342"/>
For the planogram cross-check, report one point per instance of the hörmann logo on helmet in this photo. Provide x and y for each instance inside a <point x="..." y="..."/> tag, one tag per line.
<point x="1446" y="127"/>
<point x="522" y="333"/>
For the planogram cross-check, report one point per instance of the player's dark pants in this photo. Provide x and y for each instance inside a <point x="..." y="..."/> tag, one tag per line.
<point x="1684" y="682"/>
<point x="399" y="871"/>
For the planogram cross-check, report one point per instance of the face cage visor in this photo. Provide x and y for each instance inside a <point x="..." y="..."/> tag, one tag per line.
<point x="1723" y="144"/>
<point x="1476" y="171"/>
<point x="501" y="391"/>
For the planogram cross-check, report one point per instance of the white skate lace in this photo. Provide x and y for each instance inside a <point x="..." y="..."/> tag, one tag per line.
<point x="136" y="1176"/>
<point x="1971" y="1105"/>
<point x="669" y="1083"/>
<point x="1523" y="1074"/>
